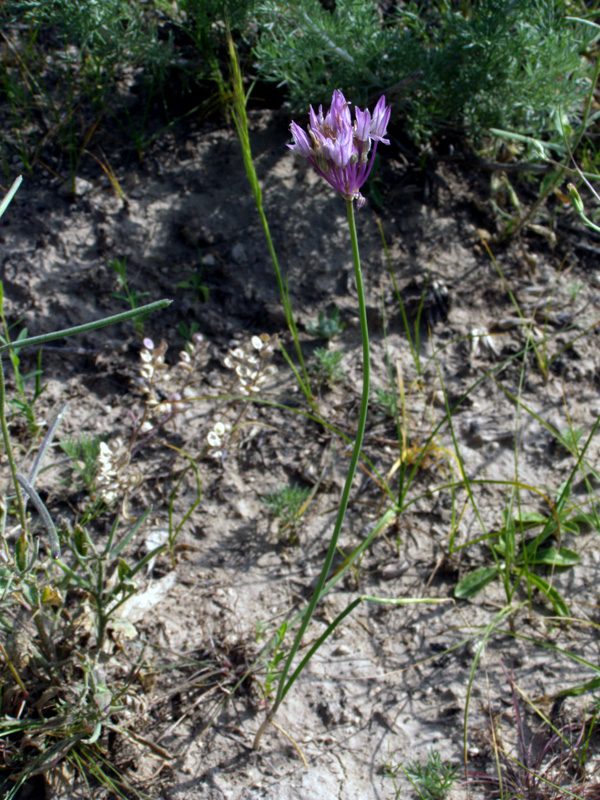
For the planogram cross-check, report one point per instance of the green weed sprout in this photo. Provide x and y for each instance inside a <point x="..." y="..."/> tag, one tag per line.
<point x="187" y="331"/>
<point x="22" y="404"/>
<point x="431" y="781"/>
<point x="272" y="664"/>
<point x="286" y="504"/>
<point x="387" y="402"/>
<point x="327" y="326"/>
<point x="83" y="452"/>
<point x="128" y="295"/>
<point x="343" y="154"/>
<point x="327" y="368"/>
<point x="195" y="283"/>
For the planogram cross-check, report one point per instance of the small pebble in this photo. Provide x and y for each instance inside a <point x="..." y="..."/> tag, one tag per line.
<point x="342" y="650"/>
<point x="238" y="253"/>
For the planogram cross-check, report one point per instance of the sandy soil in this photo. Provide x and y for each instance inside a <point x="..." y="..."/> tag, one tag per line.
<point x="393" y="681"/>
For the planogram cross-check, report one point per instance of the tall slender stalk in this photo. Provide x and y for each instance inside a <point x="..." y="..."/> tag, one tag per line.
<point x="240" y="119"/>
<point x="284" y="684"/>
<point x="9" y="452"/>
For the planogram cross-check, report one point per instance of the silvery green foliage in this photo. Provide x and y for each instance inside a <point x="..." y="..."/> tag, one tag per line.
<point x="313" y="51"/>
<point x="109" y="32"/>
<point x="509" y="64"/>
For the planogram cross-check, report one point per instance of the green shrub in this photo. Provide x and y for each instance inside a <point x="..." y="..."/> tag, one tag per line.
<point x="515" y="65"/>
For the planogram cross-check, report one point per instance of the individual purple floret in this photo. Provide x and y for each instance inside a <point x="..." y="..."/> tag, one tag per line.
<point x="338" y="148"/>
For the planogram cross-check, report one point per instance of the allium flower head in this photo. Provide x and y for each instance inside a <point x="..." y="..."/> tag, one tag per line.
<point x="339" y="149"/>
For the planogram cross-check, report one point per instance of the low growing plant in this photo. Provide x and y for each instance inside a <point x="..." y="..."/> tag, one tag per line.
<point x="83" y="452"/>
<point x="128" y="294"/>
<point x="431" y="781"/>
<point x="548" y="762"/>
<point x="56" y="581"/>
<point x="327" y="368"/>
<point x="286" y="504"/>
<point x="326" y="327"/>
<point x="24" y="402"/>
<point x="512" y="66"/>
<point x="527" y="545"/>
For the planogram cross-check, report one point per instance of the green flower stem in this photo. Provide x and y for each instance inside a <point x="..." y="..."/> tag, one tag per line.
<point x="18" y="344"/>
<point x="285" y="685"/>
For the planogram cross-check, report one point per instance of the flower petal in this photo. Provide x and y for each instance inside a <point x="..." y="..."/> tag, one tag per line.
<point x="301" y="141"/>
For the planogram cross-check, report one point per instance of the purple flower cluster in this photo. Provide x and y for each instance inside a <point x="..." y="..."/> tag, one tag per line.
<point x="339" y="149"/>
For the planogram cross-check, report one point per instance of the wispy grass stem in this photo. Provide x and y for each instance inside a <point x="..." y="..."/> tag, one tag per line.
<point x="240" y="119"/>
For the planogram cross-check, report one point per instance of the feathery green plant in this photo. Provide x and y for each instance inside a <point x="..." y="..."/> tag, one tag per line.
<point x="432" y="780"/>
<point x="515" y="65"/>
<point x="83" y="452"/>
<point x="326" y="368"/>
<point x="287" y="504"/>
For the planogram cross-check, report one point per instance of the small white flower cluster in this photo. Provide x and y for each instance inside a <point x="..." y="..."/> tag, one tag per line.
<point x="250" y="362"/>
<point x="154" y="371"/>
<point x="194" y="355"/>
<point x="115" y="476"/>
<point x="217" y="438"/>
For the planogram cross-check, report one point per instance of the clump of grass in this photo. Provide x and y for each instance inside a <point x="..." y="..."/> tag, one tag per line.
<point x="548" y="762"/>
